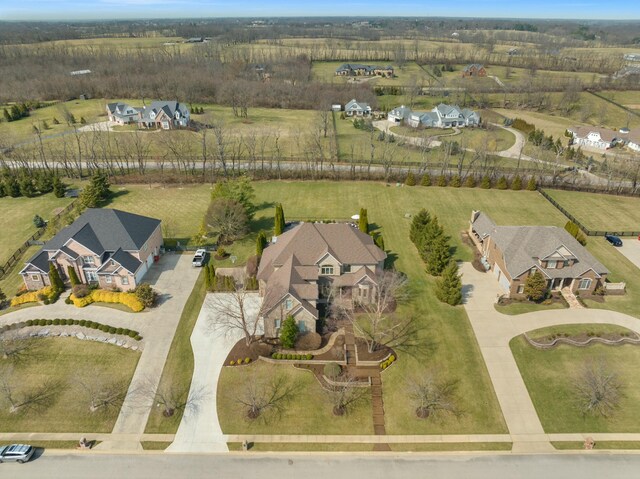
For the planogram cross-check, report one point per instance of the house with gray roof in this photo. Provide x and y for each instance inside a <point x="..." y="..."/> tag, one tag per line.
<point x="306" y="263"/>
<point x="357" y="69"/>
<point x="122" y="113"/>
<point x="595" y="137"/>
<point x="444" y="116"/>
<point x="399" y="114"/>
<point x="355" y="108"/>
<point x="107" y="247"/>
<point x="513" y="253"/>
<point x="166" y="115"/>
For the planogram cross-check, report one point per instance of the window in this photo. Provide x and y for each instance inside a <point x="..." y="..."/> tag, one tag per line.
<point x="107" y="279"/>
<point x="347" y="268"/>
<point x="125" y="280"/>
<point x="584" y="283"/>
<point x="88" y="260"/>
<point x="552" y="264"/>
<point x="288" y="304"/>
<point x="328" y="269"/>
<point x="521" y="289"/>
<point x="278" y="323"/>
<point x="91" y="276"/>
<point x="35" y="277"/>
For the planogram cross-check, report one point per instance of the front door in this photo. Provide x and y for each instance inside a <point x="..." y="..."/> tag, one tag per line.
<point x="557" y="284"/>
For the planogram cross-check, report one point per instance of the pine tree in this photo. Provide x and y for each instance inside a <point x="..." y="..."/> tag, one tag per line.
<point x="288" y="333"/>
<point x="96" y="192"/>
<point x="7" y="115"/>
<point x="485" y="184"/>
<point x="83" y="121"/>
<point x="535" y="287"/>
<point x="426" y="180"/>
<point x="73" y="276"/>
<point x="58" y="187"/>
<point x="279" y="222"/>
<point x="455" y="182"/>
<point x="431" y="234"/>
<point x="12" y="187"/>
<point x="411" y="179"/>
<point x="56" y="121"/>
<point x="54" y="278"/>
<point x="38" y="222"/>
<point x="3" y="299"/>
<point x="516" y="184"/>
<point x="363" y="222"/>
<point x="449" y="286"/>
<point x="418" y="225"/>
<point x="532" y="185"/>
<point x="261" y="243"/>
<point x="207" y="277"/>
<point x="212" y="277"/>
<point x="379" y="241"/>
<point x="439" y="256"/>
<point x="26" y="187"/>
<point x="502" y="183"/>
<point x="470" y="182"/>
<point x="442" y="180"/>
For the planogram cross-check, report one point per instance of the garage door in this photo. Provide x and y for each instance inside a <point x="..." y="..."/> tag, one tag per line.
<point x="502" y="279"/>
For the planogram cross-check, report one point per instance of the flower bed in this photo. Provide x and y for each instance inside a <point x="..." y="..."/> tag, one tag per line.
<point x="46" y="295"/>
<point x="102" y="296"/>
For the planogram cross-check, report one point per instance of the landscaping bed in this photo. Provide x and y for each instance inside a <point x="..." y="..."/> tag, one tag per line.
<point x="513" y="306"/>
<point x="581" y="335"/>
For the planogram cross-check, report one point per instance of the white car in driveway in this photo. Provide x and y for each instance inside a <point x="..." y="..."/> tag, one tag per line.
<point x="199" y="258"/>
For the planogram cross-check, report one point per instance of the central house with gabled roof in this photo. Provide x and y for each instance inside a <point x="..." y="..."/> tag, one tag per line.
<point x="298" y="272"/>
<point x="110" y="248"/>
<point x="514" y="253"/>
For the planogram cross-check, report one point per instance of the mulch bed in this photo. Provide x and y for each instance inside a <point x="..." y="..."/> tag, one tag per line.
<point x="582" y="337"/>
<point x="365" y="355"/>
<point x="477" y="265"/>
<point x="554" y="298"/>
<point x="241" y="351"/>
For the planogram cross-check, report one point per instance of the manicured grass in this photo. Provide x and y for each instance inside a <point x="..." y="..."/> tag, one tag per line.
<point x="13" y="281"/>
<point x="521" y="308"/>
<point x="17" y="219"/>
<point x="308" y="412"/>
<point x="178" y="369"/>
<point x="451" y="446"/>
<point x="154" y="445"/>
<point x="551" y="124"/>
<point x="302" y="447"/>
<point x="61" y="361"/>
<point x="601" y="445"/>
<point x="58" y="444"/>
<point x="599" y="212"/>
<point x="548" y="375"/>
<point x="575" y="329"/>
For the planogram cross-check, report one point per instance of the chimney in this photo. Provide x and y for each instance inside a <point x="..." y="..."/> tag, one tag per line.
<point x="474" y="215"/>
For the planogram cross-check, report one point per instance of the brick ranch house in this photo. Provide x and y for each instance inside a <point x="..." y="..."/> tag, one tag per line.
<point x="110" y="248"/>
<point x="474" y="70"/>
<point x="515" y="252"/>
<point x="299" y="270"/>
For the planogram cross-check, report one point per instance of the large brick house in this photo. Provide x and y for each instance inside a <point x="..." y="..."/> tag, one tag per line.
<point x="307" y="262"/>
<point x="474" y="70"/>
<point x="595" y="137"/>
<point x="515" y="252"/>
<point x="110" y="248"/>
<point x="165" y="115"/>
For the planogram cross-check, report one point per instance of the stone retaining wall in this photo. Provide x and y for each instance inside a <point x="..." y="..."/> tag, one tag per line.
<point x="572" y="342"/>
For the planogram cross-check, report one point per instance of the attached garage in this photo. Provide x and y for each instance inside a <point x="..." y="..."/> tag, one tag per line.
<point x="502" y="279"/>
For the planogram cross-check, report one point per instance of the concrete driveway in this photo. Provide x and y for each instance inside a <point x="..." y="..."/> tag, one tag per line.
<point x="631" y="249"/>
<point x="494" y="331"/>
<point x="200" y="429"/>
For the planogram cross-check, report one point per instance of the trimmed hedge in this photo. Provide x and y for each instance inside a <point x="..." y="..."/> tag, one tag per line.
<point x="385" y="364"/>
<point x="46" y="295"/>
<point x="84" y="323"/>
<point x="298" y="357"/>
<point x="102" y="296"/>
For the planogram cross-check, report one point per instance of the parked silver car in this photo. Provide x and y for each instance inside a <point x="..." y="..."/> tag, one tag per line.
<point x="16" y="452"/>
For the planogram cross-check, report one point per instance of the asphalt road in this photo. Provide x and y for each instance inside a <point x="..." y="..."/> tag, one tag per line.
<point x="348" y="465"/>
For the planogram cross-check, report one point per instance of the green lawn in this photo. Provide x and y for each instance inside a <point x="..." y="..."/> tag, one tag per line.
<point x="600" y="212"/>
<point x="451" y="446"/>
<point x="178" y="369"/>
<point x="548" y="375"/>
<point x="12" y="282"/>
<point x="303" y="446"/>
<point x="154" y="445"/>
<point x="17" y="219"/>
<point x="601" y="445"/>
<point x="575" y="329"/>
<point x="61" y="361"/>
<point x="308" y="412"/>
<point x="528" y="307"/>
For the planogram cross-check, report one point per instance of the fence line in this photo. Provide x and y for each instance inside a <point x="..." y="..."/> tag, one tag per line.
<point x="586" y="230"/>
<point x="17" y="254"/>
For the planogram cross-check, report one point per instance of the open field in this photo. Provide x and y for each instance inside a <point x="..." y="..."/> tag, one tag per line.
<point x="549" y="374"/>
<point x="17" y="219"/>
<point x="307" y="412"/>
<point x="551" y="124"/>
<point x="600" y="212"/>
<point x="629" y="99"/>
<point x="118" y="43"/>
<point x="495" y="139"/>
<point x="58" y="362"/>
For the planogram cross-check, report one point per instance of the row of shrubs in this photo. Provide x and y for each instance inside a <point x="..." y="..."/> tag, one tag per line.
<point x="84" y="323"/>
<point x="388" y="362"/>
<point x="306" y="357"/>
<point x="103" y="296"/>
<point x="239" y="362"/>
<point x="47" y="295"/>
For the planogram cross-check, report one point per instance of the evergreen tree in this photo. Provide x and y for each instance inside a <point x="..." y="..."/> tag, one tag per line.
<point x="431" y="234"/>
<point x="15" y="113"/>
<point x="212" y="277"/>
<point x="455" y="182"/>
<point x="44" y="183"/>
<point x="45" y="125"/>
<point x="3" y="299"/>
<point x="426" y="180"/>
<point x="38" y="222"/>
<point x="439" y="256"/>
<point x="279" y="223"/>
<point x="261" y="243"/>
<point x="96" y="192"/>
<point x="502" y="183"/>
<point x="26" y="187"/>
<point x="532" y="185"/>
<point x="288" y="333"/>
<point x="83" y="121"/>
<point x="379" y="242"/>
<point x="207" y="277"/>
<point x="535" y="287"/>
<point x="516" y="184"/>
<point x="485" y="184"/>
<point x="12" y="187"/>
<point x="54" y="278"/>
<point x="7" y="115"/>
<point x="449" y="286"/>
<point x="418" y="225"/>
<point x="56" y="121"/>
<point x="363" y="222"/>
<point x="470" y="182"/>
<point x="442" y="180"/>
<point x="73" y="276"/>
<point x="411" y="179"/>
<point x="58" y="187"/>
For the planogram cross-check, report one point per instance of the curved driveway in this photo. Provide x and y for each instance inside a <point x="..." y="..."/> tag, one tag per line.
<point x="495" y="330"/>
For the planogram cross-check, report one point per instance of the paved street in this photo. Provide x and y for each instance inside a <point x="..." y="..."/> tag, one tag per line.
<point x="200" y="430"/>
<point x="321" y="466"/>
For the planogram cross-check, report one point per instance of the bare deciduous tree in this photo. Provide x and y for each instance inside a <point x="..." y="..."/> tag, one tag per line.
<point x="16" y="349"/>
<point x="234" y="311"/>
<point x="101" y="392"/>
<point x="345" y="395"/>
<point x="25" y="397"/>
<point x="432" y="396"/>
<point x="597" y="389"/>
<point x="266" y="397"/>
<point x="169" y="396"/>
<point x="227" y="218"/>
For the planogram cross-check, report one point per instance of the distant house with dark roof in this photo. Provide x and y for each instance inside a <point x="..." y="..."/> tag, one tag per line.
<point x="122" y="113"/>
<point x="358" y="69"/>
<point x="110" y="248"/>
<point x="444" y="116"/>
<point x="474" y="70"/>
<point x="306" y="262"/>
<point x="516" y="252"/>
<point x="164" y="114"/>
<point x="594" y="137"/>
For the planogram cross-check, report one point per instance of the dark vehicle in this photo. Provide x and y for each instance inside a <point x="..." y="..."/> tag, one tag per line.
<point x="614" y="240"/>
<point x="16" y="452"/>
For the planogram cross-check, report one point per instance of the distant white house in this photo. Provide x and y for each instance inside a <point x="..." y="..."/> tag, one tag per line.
<point x="594" y="137"/>
<point x="353" y="108"/>
<point x="633" y="141"/>
<point x="122" y="113"/>
<point x="632" y="57"/>
<point x="160" y="114"/>
<point x="399" y="114"/>
<point x="442" y="116"/>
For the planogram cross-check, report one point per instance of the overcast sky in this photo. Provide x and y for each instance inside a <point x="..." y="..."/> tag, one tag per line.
<point x="111" y="9"/>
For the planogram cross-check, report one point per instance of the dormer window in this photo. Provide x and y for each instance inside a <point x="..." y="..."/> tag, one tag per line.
<point x="288" y="304"/>
<point x="552" y="264"/>
<point x="326" y="269"/>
